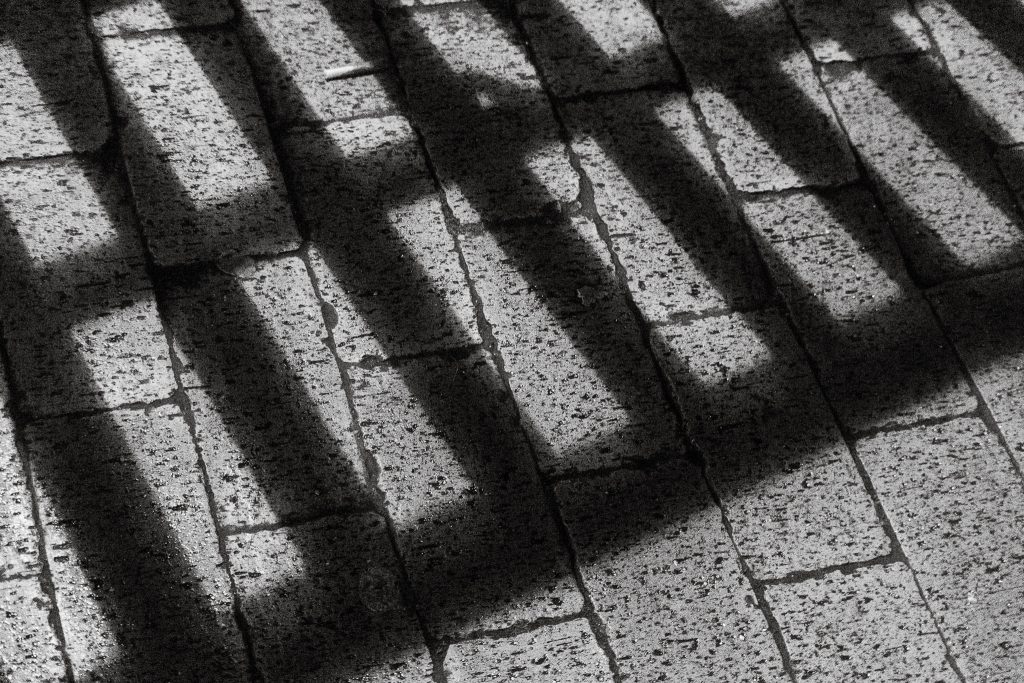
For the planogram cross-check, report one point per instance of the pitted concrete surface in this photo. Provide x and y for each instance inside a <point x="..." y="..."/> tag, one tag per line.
<point x="448" y="341"/>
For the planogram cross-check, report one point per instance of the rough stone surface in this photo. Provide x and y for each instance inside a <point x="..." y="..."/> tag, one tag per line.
<point x="29" y="649"/>
<point x="563" y="652"/>
<point x="759" y="94"/>
<point x="1011" y="163"/>
<point x="381" y="251"/>
<point x="846" y="32"/>
<point x="982" y="46"/>
<point x="323" y="602"/>
<point x="770" y="441"/>
<point x="986" y="325"/>
<point x="664" y="578"/>
<point x="871" y="624"/>
<point x="462" y="492"/>
<point x="19" y="551"/>
<point x="950" y="208"/>
<point x="52" y="101"/>
<point x="953" y="498"/>
<point x="294" y="43"/>
<point x="130" y="542"/>
<point x="198" y="151"/>
<point x="881" y="356"/>
<point x="272" y="418"/>
<point x="577" y="366"/>
<point x="488" y="125"/>
<point x="112" y="17"/>
<point x="72" y="274"/>
<point x="667" y="211"/>
<point x="591" y="46"/>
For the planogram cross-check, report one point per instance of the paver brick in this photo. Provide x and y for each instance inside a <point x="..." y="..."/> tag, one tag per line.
<point x="591" y="46"/>
<point x="664" y="578"/>
<point x="980" y="43"/>
<point x="130" y="543"/>
<point x="199" y="155"/>
<point x="271" y="414"/>
<point x="113" y="17"/>
<point x="948" y="205"/>
<point x="486" y="121"/>
<point x="953" y="498"/>
<point x="576" y="363"/>
<point x="846" y="32"/>
<point x="19" y="554"/>
<point x="880" y="353"/>
<point x="52" y="101"/>
<point x="772" y="448"/>
<point x="561" y="652"/>
<point x="759" y="94"/>
<point x="985" y="323"/>
<point x="323" y="602"/>
<point x="73" y="275"/>
<point x="870" y="624"/>
<point x="462" y="492"/>
<point x="293" y="45"/>
<point x="381" y="251"/>
<point x="29" y="649"/>
<point x="668" y="214"/>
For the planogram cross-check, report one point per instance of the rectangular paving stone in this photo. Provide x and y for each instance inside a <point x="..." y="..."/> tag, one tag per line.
<point x="668" y="214"/>
<point x="52" y="101"/>
<point x="664" y="578"/>
<point x="381" y="252"/>
<point x="985" y="322"/>
<point x="577" y="366"/>
<point x="199" y="156"/>
<point x="463" y="494"/>
<point x="982" y="48"/>
<point x="560" y="652"/>
<point x="758" y="93"/>
<point x="293" y="45"/>
<point x="29" y="648"/>
<point x="870" y="624"/>
<point x="323" y="602"/>
<point x="772" y="447"/>
<point x="113" y="17"/>
<point x="881" y="356"/>
<point x="140" y="584"/>
<point x="19" y="552"/>
<point x="487" y="124"/>
<point x="953" y="498"/>
<point x="847" y="32"/>
<point x="271" y="414"/>
<point x="948" y="205"/>
<point x="78" y="313"/>
<point x="587" y="46"/>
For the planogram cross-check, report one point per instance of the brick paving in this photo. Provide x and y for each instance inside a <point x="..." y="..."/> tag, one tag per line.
<point x="487" y="340"/>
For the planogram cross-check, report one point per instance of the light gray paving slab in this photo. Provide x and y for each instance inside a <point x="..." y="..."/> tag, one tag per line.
<point x="772" y="447"/>
<point x="562" y="652"/>
<point x="272" y="418"/>
<point x="576" y="363"/>
<point x="592" y="46"/>
<point x="667" y="211"/>
<point x="19" y="551"/>
<point x="953" y="498"/>
<point x="870" y="624"/>
<point x="381" y="251"/>
<point x="52" y="101"/>
<point x="113" y="17"/>
<point x="846" y="32"/>
<point x="29" y="648"/>
<point x="463" y="495"/>
<point x="297" y="48"/>
<point x="664" y="578"/>
<point x="949" y="207"/>
<point x="199" y="155"/>
<point x="323" y="602"/>
<point x="73" y="275"/>
<point x="140" y="584"/>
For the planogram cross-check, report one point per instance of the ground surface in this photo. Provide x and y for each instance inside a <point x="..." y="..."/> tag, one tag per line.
<point x="574" y="340"/>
